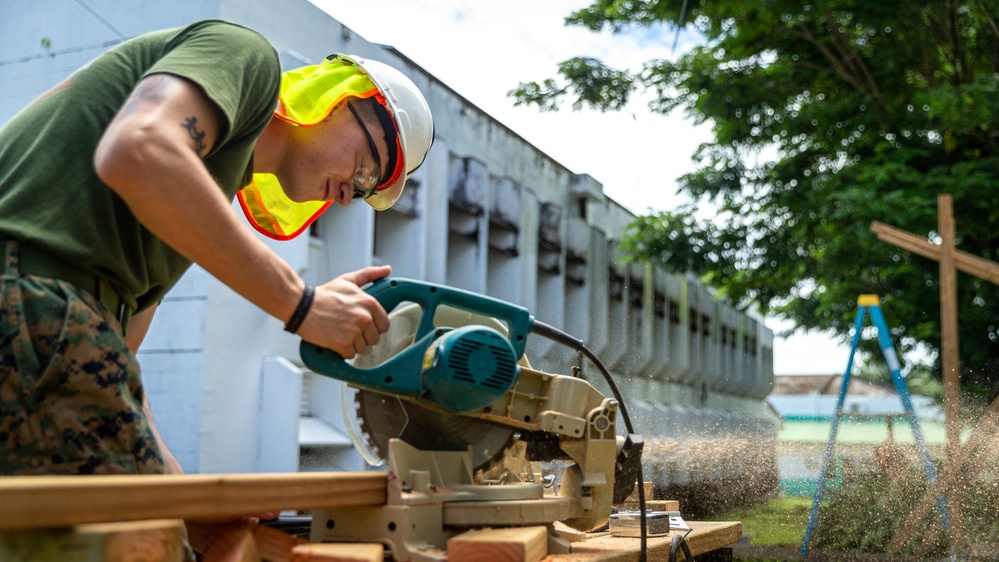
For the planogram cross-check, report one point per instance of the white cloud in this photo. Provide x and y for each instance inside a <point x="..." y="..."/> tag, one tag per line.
<point x="810" y="353"/>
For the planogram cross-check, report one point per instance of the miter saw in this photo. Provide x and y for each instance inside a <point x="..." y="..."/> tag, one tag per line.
<point x="449" y="401"/>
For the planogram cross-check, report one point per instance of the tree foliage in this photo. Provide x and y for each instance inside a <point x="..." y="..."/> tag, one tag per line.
<point x="827" y="115"/>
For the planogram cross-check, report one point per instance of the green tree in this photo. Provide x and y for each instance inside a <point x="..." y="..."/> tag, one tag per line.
<point x="827" y="115"/>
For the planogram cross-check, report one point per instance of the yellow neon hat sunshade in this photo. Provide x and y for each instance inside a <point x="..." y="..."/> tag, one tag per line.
<point x="308" y="96"/>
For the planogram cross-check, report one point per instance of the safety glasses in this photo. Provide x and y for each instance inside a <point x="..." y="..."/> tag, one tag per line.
<point x="366" y="180"/>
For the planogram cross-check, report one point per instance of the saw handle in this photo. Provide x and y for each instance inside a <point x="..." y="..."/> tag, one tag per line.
<point x="392" y="291"/>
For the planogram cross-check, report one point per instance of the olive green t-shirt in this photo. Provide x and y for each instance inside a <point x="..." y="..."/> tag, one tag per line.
<point x="50" y="195"/>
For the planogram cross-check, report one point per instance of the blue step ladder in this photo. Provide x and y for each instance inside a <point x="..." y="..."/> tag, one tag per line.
<point x="871" y="304"/>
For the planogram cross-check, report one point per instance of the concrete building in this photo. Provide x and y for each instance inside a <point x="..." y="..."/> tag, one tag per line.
<point x="488" y="212"/>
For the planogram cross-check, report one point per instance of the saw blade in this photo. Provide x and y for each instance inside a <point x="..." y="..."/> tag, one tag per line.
<point x="386" y="416"/>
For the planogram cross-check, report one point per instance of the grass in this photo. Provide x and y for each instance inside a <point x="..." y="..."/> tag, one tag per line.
<point x="778" y="522"/>
<point x="776" y="528"/>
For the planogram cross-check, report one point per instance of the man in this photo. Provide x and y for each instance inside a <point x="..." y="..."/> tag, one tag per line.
<point x="115" y="181"/>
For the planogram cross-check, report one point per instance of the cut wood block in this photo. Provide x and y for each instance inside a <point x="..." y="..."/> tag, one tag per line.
<point x="139" y="541"/>
<point x="634" y="493"/>
<point x="514" y="544"/>
<point x="338" y="552"/>
<point x="33" y="502"/>
<point x="652" y="505"/>
<point x="631" y="503"/>
<point x="232" y="544"/>
<point x="134" y="541"/>
<point x="275" y="545"/>
<point x="568" y="533"/>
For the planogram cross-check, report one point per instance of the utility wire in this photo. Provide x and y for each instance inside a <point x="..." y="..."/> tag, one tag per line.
<point x="104" y="21"/>
<point x="103" y="45"/>
<point x="50" y="54"/>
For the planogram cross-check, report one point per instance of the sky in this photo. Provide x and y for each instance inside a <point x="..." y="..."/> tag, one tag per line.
<point x="484" y="49"/>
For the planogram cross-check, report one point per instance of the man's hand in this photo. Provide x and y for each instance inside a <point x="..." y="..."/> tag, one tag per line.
<point x="343" y="317"/>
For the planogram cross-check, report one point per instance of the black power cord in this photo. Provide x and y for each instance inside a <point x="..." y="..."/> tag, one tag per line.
<point x="678" y="543"/>
<point x="576" y="344"/>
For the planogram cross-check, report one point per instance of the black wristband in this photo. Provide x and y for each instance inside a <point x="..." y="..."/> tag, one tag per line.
<point x="303" y="308"/>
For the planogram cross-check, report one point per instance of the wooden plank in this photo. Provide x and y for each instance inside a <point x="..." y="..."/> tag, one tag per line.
<point x="33" y="502"/>
<point x="706" y="536"/>
<point x="512" y="544"/>
<point x="963" y="261"/>
<point x="133" y="541"/>
<point x="338" y="552"/>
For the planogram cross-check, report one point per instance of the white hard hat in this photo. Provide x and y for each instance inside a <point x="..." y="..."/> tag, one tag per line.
<point x="413" y="123"/>
<point x="308" y="96"/>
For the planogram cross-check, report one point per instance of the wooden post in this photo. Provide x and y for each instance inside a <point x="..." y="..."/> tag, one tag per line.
<point x="950" y="360"/>
<point x="948" y="325"/>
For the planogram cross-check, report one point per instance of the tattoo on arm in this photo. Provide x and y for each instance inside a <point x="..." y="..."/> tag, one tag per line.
<point x="191" y="124"/>
<point x="149" y="92"/>
<point x="153" y="91"/>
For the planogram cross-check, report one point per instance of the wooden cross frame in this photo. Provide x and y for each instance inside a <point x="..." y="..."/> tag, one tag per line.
<point x="950" y="260"/>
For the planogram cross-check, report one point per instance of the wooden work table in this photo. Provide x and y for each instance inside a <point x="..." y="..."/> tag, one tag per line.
<point x="63" y="506"/>
<point x="705" y="536"/>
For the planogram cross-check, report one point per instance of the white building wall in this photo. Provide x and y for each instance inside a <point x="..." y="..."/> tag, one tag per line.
<point x="173" y="365"/>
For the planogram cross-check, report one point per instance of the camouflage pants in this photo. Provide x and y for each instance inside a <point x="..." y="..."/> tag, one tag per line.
<point x="70" y="392"/>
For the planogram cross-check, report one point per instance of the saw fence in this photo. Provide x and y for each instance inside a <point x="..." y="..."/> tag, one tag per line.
<point x="140" y="518"/>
